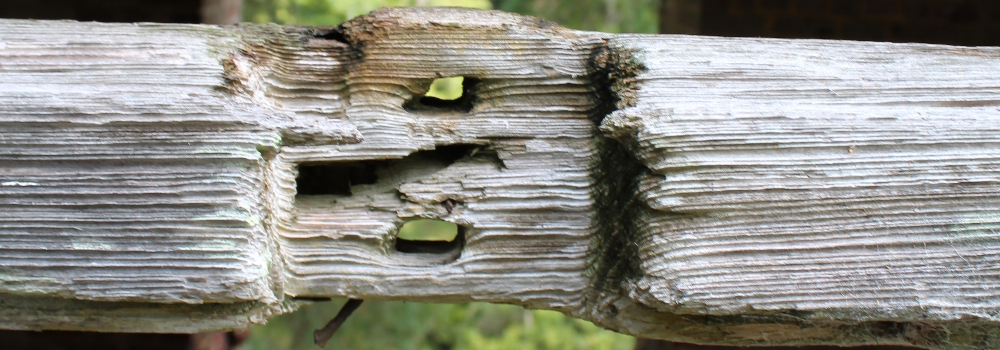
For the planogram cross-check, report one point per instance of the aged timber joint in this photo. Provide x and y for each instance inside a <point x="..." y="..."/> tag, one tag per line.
<point x="170" y="178"/>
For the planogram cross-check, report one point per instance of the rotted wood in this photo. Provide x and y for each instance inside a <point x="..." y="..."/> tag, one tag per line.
<point x="696" y="189"/>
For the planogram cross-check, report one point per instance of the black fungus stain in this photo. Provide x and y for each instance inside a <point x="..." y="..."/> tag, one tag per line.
<point x="614" y="252"/>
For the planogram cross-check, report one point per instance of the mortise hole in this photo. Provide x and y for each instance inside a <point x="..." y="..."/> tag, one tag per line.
<point x="429" y="236"/>
<point x="333" y="178"/>
<point x="451" y="153"/>
<point x="449" y="94"/>
<point x="336" y="178"/>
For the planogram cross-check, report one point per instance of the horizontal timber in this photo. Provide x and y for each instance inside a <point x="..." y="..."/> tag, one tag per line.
<point x="711" y="190"/>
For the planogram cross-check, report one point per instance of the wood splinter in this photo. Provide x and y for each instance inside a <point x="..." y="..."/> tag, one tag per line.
<point x="323" y="335"/>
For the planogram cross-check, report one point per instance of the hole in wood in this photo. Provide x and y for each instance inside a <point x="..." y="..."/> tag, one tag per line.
<point x="446" y="94"/>
<point x="337" y="178"/>
<point x="429" y="236"/>
<point x="450" y="153"/>
<point x="333" y="178"/>
<point x="336" y="33"/>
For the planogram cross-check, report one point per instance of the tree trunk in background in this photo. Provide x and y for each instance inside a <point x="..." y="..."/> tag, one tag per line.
<point x="221" y="11"/>
<point x="680" y="16"/>
<point x="951" y="22"/>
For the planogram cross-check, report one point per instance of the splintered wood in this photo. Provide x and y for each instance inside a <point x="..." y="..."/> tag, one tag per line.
<point x="709" y="190"/>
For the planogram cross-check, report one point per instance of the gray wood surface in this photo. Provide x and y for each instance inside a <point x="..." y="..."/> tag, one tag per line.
<point x="711" y="190"/>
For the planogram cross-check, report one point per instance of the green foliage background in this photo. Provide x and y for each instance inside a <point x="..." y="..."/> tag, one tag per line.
<point x="419" y="326"/>
<point x="332" y="12"/>
<point x="613" y="16"/>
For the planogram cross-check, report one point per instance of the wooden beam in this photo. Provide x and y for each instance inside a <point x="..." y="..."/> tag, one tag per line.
<point x="709" y="190"/>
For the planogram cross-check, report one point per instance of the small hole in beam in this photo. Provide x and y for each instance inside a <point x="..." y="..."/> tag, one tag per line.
<point x="429" y="236"/>
<point x="336" y="178"/>
<point x="333" y="178"/>
<point x="336" y="33"/>
<point x="449" y="94"/>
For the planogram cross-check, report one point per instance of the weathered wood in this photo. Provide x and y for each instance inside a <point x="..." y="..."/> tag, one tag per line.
<point x="713" y="190"/>
<point x="814" y="181"/>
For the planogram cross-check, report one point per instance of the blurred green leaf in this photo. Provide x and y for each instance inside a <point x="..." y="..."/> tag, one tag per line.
<point x="428" y="230"/>
<point x="446" y="88"/>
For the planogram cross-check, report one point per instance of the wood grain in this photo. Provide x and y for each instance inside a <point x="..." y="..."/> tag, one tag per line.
<point x="710" y="190"/>
<point x="836" y="180"/>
